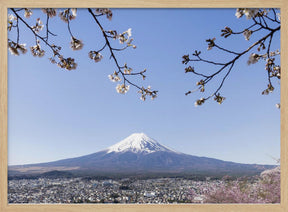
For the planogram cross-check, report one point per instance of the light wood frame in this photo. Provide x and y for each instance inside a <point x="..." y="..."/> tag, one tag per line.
<point x="5" y="4"/>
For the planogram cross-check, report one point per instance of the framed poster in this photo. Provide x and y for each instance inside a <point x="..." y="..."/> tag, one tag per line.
<point x="73" y="135"/>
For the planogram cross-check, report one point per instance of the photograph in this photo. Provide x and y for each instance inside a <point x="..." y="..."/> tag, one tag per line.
<point x="158" y="107"/>
<point x="144" y="106"/>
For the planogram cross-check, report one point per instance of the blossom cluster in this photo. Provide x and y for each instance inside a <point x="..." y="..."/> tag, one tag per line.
<point x="254" y="58"/>
<point x="76" y="44"/>
<point x="248" y="12"/>
<point x="124" y="37"/>
<point x="199" y="102"/>
<point x="28" y="12"/>
<point x="147" y="92"/>
<point x="268" y="90"/>
<point x="96" y="56"/>
<point x="67" y="63"/>
<point x="273" y="69"/>
<point x="122" y="88"/>
<point x="260" y="189"/>
<point x="218" y="98"/>
<point x="16" y="48"/>
<point x="68" y="15"/>
<point x="104" y="11"/>
<point x="11" y="18"/>
<point x="247" y="34"/>
<point x="51" y="12"/>
<point x="189" y="69"/>
<point x="36" y="50"/>
<point x="38" y="26"/>
<point x="201" y="83"/>
<point x="127" y="70"/>
<point x="114" y="77"/>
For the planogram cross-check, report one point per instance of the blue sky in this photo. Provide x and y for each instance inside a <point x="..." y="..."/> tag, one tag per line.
<point x="55" y="114"/>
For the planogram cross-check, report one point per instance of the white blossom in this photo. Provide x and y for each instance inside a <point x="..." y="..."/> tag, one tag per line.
<point x="129" y="32"/>
<point x="239" y="13"/>
<point x="247" y="34"/>
<point x="147" y="92"/>
<point x="11" y="17"/>
<point x="114" y="77"/>
<point x="96" y="56"/>
<point x="277" y="68"/>
<point x="28" y="13"/>
<point x="13" y="51"/>
<point x="74" y="12"/>
<point x="76" y="44"/>
<point x="51" y="12"/>
<point x="127" y="70"/>
<point x="274" y="53"/>
<point x="279" y="16"/>
<point x="69" y="63"/>
<point x="253" y="59"/>
<point x="122" y="88"/>
<point x="104" y="11"/>
<point x="124" y="37"/>
<point x="39" y="26"/>
<point x="15" y="48"/>
<point x="37" y="51"/>
<point x="248" y="12"/>
<point x="68" y="14"/>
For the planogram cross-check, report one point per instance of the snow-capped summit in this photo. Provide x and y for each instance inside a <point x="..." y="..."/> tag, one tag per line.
<point x="138" y="143"/>
<point x="138" y="154"/>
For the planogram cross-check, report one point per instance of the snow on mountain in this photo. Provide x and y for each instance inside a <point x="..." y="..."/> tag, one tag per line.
<point x="139" y="154"/>
<point x="138" y="143"/>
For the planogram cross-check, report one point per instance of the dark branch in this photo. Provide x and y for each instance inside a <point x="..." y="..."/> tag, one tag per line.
<point x="263" y="25"/>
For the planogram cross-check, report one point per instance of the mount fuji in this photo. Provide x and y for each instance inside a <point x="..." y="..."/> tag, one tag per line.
<point x="138" y="143"/>
<point x="139" y="154"/>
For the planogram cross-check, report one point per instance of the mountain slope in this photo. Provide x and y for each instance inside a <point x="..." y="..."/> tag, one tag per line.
<point x="140" y="154"/>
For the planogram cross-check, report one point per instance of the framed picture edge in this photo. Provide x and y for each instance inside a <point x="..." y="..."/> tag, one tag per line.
<point x="5" y="4"/>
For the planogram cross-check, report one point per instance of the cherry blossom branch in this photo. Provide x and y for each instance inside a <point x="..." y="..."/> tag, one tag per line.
<point x="67" y="15"/>
<point x="67" y="63"/>
<point x="121" y="88"/>
<point x="272" y="69"/>
<point x="30" y="28"/>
